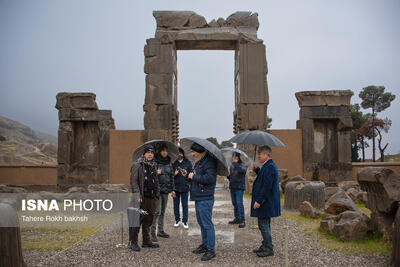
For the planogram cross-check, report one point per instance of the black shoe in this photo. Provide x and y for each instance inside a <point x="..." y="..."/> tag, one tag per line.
<point x="163" y="234"/>
<point x="200" y="249"/>
<point x="242" y="223"/>
<point x="210" y="253"/>
<point x="154" y="237"/>
<point x="135" y="247"/>
<point x="234" y="221"/>
<point x="258" y="249"/>
<point x="150" y="245"/>
<point x="265" y="252"/>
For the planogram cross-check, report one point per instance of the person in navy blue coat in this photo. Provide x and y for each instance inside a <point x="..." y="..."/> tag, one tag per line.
<point x="237" y="185"/>
<point x="202" y="189"/>
<point x="265" y="199"/>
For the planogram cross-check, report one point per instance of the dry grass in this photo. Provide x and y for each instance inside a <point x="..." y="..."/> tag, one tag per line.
<point x="373" y="244"/>
<point x="54" y="238"/>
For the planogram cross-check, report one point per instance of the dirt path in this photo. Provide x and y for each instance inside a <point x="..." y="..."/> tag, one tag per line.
<point x="233" y="246"/>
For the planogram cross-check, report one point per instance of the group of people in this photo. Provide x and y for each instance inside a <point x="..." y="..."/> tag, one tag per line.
<point x="154" y="177"/>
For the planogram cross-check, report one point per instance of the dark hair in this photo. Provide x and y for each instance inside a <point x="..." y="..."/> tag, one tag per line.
<point x="236" y="154"/>
<point x="197" y="148"/>
<point x="162" y="147"/>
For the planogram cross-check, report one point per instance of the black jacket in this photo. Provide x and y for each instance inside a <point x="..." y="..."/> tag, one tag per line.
<point x="138" y="176"/>
<point x="182" y="183"/>
<point x="205" y="179"/>
<point x="237" y="177"/>
<point x="166" y="178"/>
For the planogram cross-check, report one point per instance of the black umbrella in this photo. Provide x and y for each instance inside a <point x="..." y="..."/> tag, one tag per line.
<point x="257" y="138"/>
<point x="173" y="150"/>
<point x="213" y="150"/>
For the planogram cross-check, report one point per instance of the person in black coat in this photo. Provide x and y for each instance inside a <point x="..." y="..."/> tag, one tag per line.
<point x="145" y="185"/>
<point x="237" y="185"/>
<point x="182" y="185"/>
<point x="265" y="199"/>
<point x="165" y="174"/>
<point x="202" y="189"/>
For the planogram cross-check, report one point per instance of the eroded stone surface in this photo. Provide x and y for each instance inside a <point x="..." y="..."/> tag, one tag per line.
<point x="83" y="139"/>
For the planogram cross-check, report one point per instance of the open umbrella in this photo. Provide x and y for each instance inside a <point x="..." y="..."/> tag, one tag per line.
<point x="257" y="138"/>
<point x="173" y="151"/>
<point x="214" y="151"/>
<point x="228" y="152"/>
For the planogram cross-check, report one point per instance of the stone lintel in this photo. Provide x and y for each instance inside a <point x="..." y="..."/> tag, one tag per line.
<point x="76" y="100"/>
<point x="324" y="98"/>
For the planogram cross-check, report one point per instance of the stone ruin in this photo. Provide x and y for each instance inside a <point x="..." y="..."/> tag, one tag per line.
<point x="186" y="30"/>
<point x="326" y="123"/>
<point x="383" y="192"/>
<point x="83" y="139"/>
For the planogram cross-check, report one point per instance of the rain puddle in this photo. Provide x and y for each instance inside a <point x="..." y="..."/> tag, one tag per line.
<point x="220" y="236"/>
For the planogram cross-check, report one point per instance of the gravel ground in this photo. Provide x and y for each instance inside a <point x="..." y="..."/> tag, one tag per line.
<point x="233" y="246"/>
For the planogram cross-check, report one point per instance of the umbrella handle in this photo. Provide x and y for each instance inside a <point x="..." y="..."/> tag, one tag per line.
<point x="255" y="151"/>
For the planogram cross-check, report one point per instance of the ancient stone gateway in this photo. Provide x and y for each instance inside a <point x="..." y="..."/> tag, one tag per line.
<point x="186" y="30"/>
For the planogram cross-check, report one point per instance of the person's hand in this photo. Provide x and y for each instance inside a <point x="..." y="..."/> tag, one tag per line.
<point x="256" y="205"/>
<point x="159" y="171"/>
<point x="176" y="172"/>
<point x="253" y="167"/>
<point x="191" y="175"/>
<point x="173" y="194"/>
<point x="184" y="172"/>
<point x="140" y="200"/>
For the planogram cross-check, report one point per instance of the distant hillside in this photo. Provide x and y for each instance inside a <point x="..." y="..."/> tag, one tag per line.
<point x="19" y="144"/>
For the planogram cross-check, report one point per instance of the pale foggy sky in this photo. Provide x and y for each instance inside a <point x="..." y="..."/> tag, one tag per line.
<point x="50" y="46"/>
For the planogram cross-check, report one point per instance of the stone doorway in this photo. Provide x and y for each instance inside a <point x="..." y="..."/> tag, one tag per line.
<point x="186" y="30"/>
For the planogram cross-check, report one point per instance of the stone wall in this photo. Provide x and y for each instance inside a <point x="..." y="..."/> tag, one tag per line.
<point x="326" y="123"/>
<point x="83" y="139"/>
<point x="122" y="145"/>
<point x="186" y="30"/>
<point x="28" y="174"/>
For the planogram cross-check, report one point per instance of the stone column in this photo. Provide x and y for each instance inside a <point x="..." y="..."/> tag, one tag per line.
<point x="83" y="139"/>
<point x="161" y="115"/>
<point x="251" y="90"/>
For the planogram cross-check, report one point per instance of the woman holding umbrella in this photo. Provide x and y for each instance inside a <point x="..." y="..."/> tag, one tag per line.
<point x="237" y="185"/>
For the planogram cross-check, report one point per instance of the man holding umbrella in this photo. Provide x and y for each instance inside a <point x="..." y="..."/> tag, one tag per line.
<point x="144" y="183"/>
<point x="265" y="199"/>
<point x="203" y="182"/>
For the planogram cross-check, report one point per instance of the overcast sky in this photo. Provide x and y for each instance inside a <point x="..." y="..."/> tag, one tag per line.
<point x="97" y="46"/>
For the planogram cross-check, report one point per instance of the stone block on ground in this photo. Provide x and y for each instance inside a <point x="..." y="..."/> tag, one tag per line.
<point x="297" y="192"/>
<point x="330" y="191"/>
<point x="347" y="226"/>
<point x="307" y="210"/>
<point x="340" y="202"/>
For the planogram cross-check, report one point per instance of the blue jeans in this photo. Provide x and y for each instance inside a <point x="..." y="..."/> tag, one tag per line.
<point x="264" y="224"/>
<point x="181" y="197"/>
<point x="237" y="202"/>
<point x="204" y="218"/>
